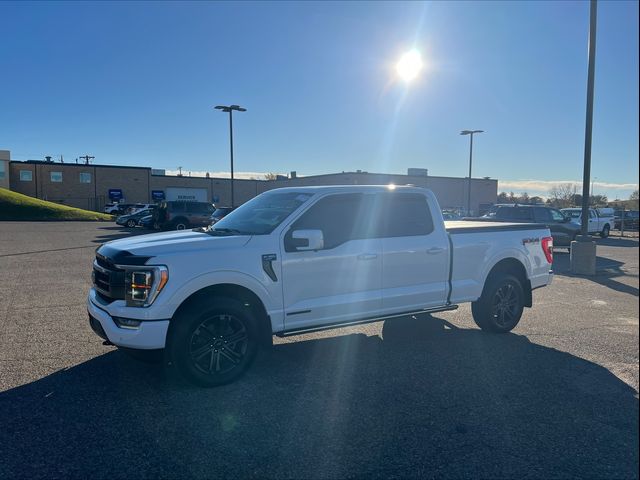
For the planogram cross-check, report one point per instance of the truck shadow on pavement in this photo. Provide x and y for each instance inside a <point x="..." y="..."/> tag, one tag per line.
<point x="427" y="399"/>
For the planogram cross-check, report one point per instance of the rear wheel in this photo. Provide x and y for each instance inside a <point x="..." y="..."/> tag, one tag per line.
<point x="214" y="342"/>
<point x="500" y="307"/>
<point x="181" y="224"/>
<point x="605" y="231"/>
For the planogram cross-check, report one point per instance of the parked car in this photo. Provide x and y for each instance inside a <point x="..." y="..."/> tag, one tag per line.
<point x="175" y="215"/>
<point x="220" y="213"/>
<point x="131" y="220"/>
<point x="146" y="222"/>
<point x="631" y="219"/>
<point x="600" y="221"/>
<point x="297" y="260"/>
<point x="562" y="229"/>
<point x="451" y="216"/>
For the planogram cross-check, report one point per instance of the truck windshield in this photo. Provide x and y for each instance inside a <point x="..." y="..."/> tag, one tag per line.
<point x="261" y="215"/>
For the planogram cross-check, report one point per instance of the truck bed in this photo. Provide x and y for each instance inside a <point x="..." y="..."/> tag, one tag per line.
<point x="473" y="226"/>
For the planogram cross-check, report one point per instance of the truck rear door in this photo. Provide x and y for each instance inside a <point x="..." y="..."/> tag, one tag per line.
<point x="415" y="253"/>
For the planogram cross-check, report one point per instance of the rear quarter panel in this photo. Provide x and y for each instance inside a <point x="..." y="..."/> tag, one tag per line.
<point x="476" y="253"/>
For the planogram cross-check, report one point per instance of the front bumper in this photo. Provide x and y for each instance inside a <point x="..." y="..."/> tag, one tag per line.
<point x="150" y="335"/>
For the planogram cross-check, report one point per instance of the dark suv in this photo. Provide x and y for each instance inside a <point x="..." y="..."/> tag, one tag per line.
<point x="181" y="215"/>
<point x="562" y="229"/>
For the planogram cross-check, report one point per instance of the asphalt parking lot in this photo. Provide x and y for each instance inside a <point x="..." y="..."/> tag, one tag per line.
<point x="427" y="396"/>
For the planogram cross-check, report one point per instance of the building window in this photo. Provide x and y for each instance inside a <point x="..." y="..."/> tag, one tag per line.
<point x="85" y="177"/>
<point x="1" y="169"/>
<point x="26" y="175"/>
<point x="56" y="177"/>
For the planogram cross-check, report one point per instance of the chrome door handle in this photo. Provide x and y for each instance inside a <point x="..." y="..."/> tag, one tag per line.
<point x="367" y="256"/>
<point x="435" y="250"/>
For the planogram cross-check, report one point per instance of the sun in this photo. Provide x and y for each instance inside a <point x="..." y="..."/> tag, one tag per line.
<point x="409" y="65"/>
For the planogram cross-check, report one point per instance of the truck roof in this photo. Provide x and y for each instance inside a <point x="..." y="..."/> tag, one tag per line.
<point x="353" y="188"/>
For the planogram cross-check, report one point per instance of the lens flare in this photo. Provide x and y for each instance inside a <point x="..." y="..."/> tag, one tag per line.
<point x="409" y="65"/>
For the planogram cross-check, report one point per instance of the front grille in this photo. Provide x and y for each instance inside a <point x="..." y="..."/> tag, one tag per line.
<point x="108" y="280"/>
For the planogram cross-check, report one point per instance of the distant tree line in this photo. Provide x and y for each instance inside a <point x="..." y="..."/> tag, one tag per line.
<point x="563" y="196"/>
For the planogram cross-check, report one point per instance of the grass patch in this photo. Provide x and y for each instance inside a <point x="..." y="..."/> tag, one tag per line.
<point x="16" y="206"/>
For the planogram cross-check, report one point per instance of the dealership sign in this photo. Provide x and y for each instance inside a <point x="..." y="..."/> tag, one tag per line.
<point x="157" y="194"/>
<point x="115" y="194"/>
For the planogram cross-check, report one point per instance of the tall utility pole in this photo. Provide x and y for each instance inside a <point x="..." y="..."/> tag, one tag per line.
<point x="86" y="159"/>
<point x="470" y="133"/>
<point x="583" y="251"/>
<point x="230" y="110"/>
<point x="589" y="123"/>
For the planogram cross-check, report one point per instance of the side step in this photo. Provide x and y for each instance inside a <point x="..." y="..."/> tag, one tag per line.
<point x="300" y="331"/>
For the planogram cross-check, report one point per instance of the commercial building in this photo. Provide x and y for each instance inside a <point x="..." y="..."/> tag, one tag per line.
<point x="92" y="186"/>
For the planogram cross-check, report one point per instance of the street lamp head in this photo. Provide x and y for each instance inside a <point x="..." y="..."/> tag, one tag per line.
<point x="470" y="132"/>
<point x="228" y="109"/>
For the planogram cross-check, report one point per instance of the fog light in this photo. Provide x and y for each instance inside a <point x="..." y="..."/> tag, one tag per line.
<point x="126" y="322"/>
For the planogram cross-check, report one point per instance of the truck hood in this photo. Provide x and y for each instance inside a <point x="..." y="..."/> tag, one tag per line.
<point x="136" y="250"/>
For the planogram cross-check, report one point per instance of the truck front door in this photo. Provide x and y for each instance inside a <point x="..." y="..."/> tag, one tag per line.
<point x="340" y="280"/>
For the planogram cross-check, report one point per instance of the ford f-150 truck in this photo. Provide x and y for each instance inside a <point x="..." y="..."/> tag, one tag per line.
<point x="295" y="260"/>
<point x="600" y="221"/>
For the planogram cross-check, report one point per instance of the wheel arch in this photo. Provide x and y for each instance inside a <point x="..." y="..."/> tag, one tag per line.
<point x="230" y="290"/>
<point x="515" y="267"/>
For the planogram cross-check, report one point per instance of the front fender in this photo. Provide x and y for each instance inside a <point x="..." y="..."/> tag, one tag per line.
<point x="272" y="303"/>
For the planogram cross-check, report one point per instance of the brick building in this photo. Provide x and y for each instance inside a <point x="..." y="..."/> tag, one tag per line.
<point x="92" y="186"/>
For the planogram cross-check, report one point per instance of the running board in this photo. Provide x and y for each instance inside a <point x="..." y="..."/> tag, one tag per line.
<point x="300" y="331"/>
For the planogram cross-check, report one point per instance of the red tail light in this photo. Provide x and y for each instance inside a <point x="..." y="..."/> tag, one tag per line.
<point x="547" y="248"/>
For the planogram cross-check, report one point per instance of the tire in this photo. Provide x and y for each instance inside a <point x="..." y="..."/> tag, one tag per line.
<point x="145" y="356"/>
<point x="131" y="223"/>
<point x="502" y="289"/>
<point x="181" y="224"/>
<point x="605" y="231"/>
<point x="213" y="342"/>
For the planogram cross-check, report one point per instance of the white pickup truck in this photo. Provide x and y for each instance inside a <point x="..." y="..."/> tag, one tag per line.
<point x="296" y="260"/>
<point x="600" y="221"/>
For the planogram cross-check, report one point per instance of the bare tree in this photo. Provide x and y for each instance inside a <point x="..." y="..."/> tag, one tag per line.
<point x="633" y="200"/>
<point x="270" y="176"/>
<point x="563" y="195"/>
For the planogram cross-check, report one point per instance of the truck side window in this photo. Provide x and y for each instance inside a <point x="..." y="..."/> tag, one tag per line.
<point x="557" y="216"/>
<point x="516" y="214"/>
<point x="404" y="215"/>
<point x="341" y="218"/>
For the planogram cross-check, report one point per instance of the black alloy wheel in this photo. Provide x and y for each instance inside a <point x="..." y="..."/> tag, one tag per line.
<point x="218" y="344"/>
<point x="501" y="304"/>
<point x="213" y="341"/>
<point x="505" y="305"/>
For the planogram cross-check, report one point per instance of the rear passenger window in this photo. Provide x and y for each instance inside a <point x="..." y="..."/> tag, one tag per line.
<point x="404" y="215"/>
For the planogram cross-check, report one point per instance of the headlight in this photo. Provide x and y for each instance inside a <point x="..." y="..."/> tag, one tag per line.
<point x="143" y="284"/>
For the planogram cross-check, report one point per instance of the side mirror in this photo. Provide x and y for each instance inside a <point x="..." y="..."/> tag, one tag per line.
<point x="303" y="240"/>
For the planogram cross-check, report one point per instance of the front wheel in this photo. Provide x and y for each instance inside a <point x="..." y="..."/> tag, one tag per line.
<point x="131" y="223"/>
<point x="214" y="342"/>
<point x="501" y="305"/>
<point x="605" y="231"/>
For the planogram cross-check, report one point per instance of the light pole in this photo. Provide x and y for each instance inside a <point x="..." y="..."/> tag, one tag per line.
<point x="230" y="110"/>
<point x="470" y="133"/>
<point x="591" y="194"/>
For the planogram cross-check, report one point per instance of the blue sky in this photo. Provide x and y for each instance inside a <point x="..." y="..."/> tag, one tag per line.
<point x="135" y="83"/>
